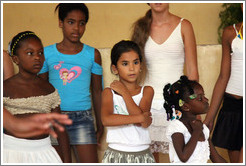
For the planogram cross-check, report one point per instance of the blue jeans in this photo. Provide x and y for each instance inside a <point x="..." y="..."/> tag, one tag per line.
<point x="82" y="131"/>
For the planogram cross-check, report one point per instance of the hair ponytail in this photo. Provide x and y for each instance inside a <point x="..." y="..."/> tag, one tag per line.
<point x="140" y="34"/>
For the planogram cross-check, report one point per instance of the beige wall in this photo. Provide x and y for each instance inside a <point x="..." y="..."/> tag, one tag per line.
<point x="108" y="23"/>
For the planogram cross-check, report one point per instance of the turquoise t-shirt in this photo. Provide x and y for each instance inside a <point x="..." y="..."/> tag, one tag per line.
<point x="71" y="76"/>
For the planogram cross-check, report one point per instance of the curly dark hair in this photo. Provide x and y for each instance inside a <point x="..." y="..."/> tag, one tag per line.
<point x="176" y="93"/>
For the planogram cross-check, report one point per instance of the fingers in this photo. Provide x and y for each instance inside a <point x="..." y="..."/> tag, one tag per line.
<point x="61" y="118"/>
<point x="58" y="126"/>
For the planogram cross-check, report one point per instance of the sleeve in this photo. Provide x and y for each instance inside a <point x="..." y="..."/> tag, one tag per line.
<point x="174" y="127"/>
<point x="56" y="99"/>
<point x="96" y="69"/>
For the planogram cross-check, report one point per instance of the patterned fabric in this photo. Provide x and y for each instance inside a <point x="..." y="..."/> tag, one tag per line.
<point x="34" y="104"/>
<point x="158" y="146"/>
<point x="115" y="156"/>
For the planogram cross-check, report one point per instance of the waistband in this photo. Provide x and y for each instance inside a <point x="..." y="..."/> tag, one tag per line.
<point x="67" y="112"/>
<point x="128" y="148"/>
<point x="228" y="95"/>
<point x="129" y="153"/>
<point x="14" y="143"/>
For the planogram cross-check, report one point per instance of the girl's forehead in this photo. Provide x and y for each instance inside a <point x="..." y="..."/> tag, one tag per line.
<point x="198" y="89"/>
<point x="130" y="55"/>
<point x="75" y="13"/>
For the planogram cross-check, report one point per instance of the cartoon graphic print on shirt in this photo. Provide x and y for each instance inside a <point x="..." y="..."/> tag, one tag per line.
<point x="68" y="75"/>
<point x="120" y="110"/>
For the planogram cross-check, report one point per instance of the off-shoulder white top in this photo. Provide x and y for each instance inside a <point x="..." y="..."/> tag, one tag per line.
<point x="34" y="104"/>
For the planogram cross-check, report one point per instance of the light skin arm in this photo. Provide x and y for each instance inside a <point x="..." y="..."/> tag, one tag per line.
<point x="35" y="125"/>
<point x="111" y="119"/>
<point x="190" y="50"/>
<point x="63" y="141"/>
<point x="132" y="107"/>
<point x="96" y="89"/>
<point x="184" y="151"/>
<point x="8" y="67"/>
<point x="222" y="80"/>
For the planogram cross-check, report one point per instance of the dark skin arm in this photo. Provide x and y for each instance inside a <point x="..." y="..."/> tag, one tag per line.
<point x="223" y="78"/>
<point x="63" y="141"/>
<point x="184" y="151"/>
<point x="96" y="91"/>
<point x="214" y="155"/>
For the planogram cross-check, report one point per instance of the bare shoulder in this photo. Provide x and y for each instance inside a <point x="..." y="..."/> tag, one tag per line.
<point x="186" y="24"/>
<point x="148" y="90"/>
<point x="9" y="85"/>
<point x="229" y="30"/>
<point x="98" y="57"/>
<point x="228" y="34"/>
<point x="48" y="87"/>
<point x="107" y="91"/>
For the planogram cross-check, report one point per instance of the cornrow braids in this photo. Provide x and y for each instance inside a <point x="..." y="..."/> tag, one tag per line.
<point x="176" y="94"/>
<point x="15" y="43"/>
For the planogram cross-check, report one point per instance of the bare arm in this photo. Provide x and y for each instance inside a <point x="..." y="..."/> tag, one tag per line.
<point x="132" y="107"/>
<point x="96" y="89"/>
<point x="222" y="80"/>
<point x="184" y="151"/>
<point x="8" y="67"/>
<point x="63" y="140"/>
<point x="111" y="119"/>
<point x="190" y="50"/>
<point x="35" y="125"/>
<point x="214" y="155"/>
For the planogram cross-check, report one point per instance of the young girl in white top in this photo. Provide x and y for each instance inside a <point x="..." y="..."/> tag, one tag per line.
<point x="126" y="108"/>
<point x="188" y="137"/>
<point x="228" y="132"/>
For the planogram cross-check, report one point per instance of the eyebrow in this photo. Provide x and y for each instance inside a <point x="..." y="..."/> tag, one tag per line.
<point x="71" y="19"/>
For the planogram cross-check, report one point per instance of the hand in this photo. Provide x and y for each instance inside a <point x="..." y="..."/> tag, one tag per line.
<point x="147" y="119"/>
<point x="118" y="87"/>
<point x="36" y="124"/>
<point x="196" y="125"/>
<point x="209" y="123"/>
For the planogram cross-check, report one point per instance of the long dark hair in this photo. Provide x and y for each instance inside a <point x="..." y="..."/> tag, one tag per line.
<point x="140" y="34"/>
